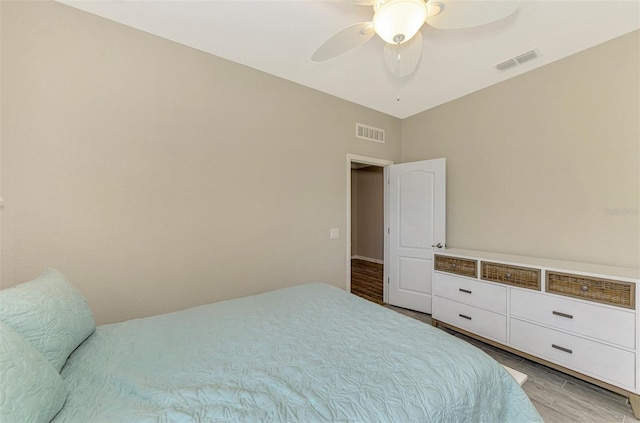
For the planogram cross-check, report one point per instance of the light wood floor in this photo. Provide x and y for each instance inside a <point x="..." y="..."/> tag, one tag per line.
<point x="559" y="398"/>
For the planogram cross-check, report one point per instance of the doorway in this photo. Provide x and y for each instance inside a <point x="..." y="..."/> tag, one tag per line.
<point x="416" y="194"/>
<point x="366" y="223"/>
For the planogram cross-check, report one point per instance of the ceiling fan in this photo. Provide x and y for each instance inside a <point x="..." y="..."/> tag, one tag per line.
<point x="398" y="23"/>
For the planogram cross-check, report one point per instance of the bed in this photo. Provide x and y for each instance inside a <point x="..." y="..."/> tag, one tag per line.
<point x="309" y="353"/>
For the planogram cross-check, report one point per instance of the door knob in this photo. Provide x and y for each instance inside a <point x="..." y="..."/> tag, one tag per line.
<point x="438" y="245"/>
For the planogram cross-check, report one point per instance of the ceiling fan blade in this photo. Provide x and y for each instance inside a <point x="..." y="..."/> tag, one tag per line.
<point x="456" y="14"/>
<point x="402" y="59"/>
<point x="343" y="41"/>
<point x="362" y="2"/>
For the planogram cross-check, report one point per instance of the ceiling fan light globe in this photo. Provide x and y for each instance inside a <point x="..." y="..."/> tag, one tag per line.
<point x="399" y="19"/>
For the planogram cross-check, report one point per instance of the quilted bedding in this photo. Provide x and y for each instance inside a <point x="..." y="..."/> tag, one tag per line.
<point x="310" y="353"/>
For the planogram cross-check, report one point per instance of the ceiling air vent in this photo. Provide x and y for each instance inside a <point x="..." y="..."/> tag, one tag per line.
<point x="525" y="57"/>
<point x="369" y="133"/>
<point x="507" y="64"/>
<point x="517" y="60"/>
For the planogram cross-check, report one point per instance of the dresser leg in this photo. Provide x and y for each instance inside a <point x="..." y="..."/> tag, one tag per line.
<point x="434" y="323"/>
<point x="634" y="400"/>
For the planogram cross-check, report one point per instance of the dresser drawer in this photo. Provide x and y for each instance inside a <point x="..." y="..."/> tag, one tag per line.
<point x="606" y="291"/>
<point x="523" y="277"/>
<point x="472" y="292"/>
<point x="603" y="323"/>
<point x="482" y="322"/>
<point x="610" y="364"/>
<point x="456" y="265"/>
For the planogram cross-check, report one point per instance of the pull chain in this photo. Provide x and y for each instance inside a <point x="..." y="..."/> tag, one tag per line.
<point x="399" y="40"/>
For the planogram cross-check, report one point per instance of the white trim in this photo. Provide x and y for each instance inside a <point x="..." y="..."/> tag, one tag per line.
<point x="369" y="259"/>
<point x="385" y="269"/>
<point x="374" y="162"/>
<point x="367" y="160"/>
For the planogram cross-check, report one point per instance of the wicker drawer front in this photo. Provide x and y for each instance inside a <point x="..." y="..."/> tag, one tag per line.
<point x="522" y="277"/>
<point x="458" y="266"/>
<point x="605" y="291"/>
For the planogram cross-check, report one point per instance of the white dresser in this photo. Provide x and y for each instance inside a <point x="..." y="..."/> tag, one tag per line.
<point x="575" y="317"/>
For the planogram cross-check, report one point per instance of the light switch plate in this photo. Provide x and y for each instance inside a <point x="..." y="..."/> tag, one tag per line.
<point x="334" y="233"/>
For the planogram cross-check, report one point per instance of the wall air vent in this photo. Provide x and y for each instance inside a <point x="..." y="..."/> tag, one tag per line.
<point x="369" y="133"/>
<point x="517" y="60"/>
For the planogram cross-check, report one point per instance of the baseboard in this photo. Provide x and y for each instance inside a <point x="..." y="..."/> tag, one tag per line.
<point x="372" y="260"/>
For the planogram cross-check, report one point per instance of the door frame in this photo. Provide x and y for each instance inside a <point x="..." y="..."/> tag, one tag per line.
<point x="384" y="164"/>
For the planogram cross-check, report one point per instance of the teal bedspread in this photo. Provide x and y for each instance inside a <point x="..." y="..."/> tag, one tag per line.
<point x="310" y="353"/>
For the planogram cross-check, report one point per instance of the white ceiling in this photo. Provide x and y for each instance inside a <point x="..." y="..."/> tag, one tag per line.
<point x="279" y="37"/>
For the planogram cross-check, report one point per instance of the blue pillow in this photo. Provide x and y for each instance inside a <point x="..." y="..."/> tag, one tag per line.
<point x="50" y="313"/>
<point x="31" y="389"/>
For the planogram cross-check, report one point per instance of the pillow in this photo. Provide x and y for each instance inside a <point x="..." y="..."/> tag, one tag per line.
<point x="50" y="313"/>
<point x="31" y="389"/>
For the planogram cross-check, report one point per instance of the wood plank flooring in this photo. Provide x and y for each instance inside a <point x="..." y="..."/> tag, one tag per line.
<point x="559" y="398"/>
<point x="366" y="280"/>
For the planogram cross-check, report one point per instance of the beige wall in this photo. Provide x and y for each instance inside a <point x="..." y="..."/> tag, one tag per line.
<point x="157" y="177"/>
<point x="369" y="221"/>
<point x="547" y="163"/>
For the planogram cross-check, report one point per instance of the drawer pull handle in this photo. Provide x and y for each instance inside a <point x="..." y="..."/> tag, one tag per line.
<point x="454" y="265"/>
<point x="557" y="313"/>
<point x="584" y="288"/>
<point x="466" y="291"/>
<point x="464" y="317"/>
<point x="507" y="275"/>
<point x="557" y="347"/>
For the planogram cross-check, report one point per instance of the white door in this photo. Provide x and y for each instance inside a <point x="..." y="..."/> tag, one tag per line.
<point x="417" y="200"/>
